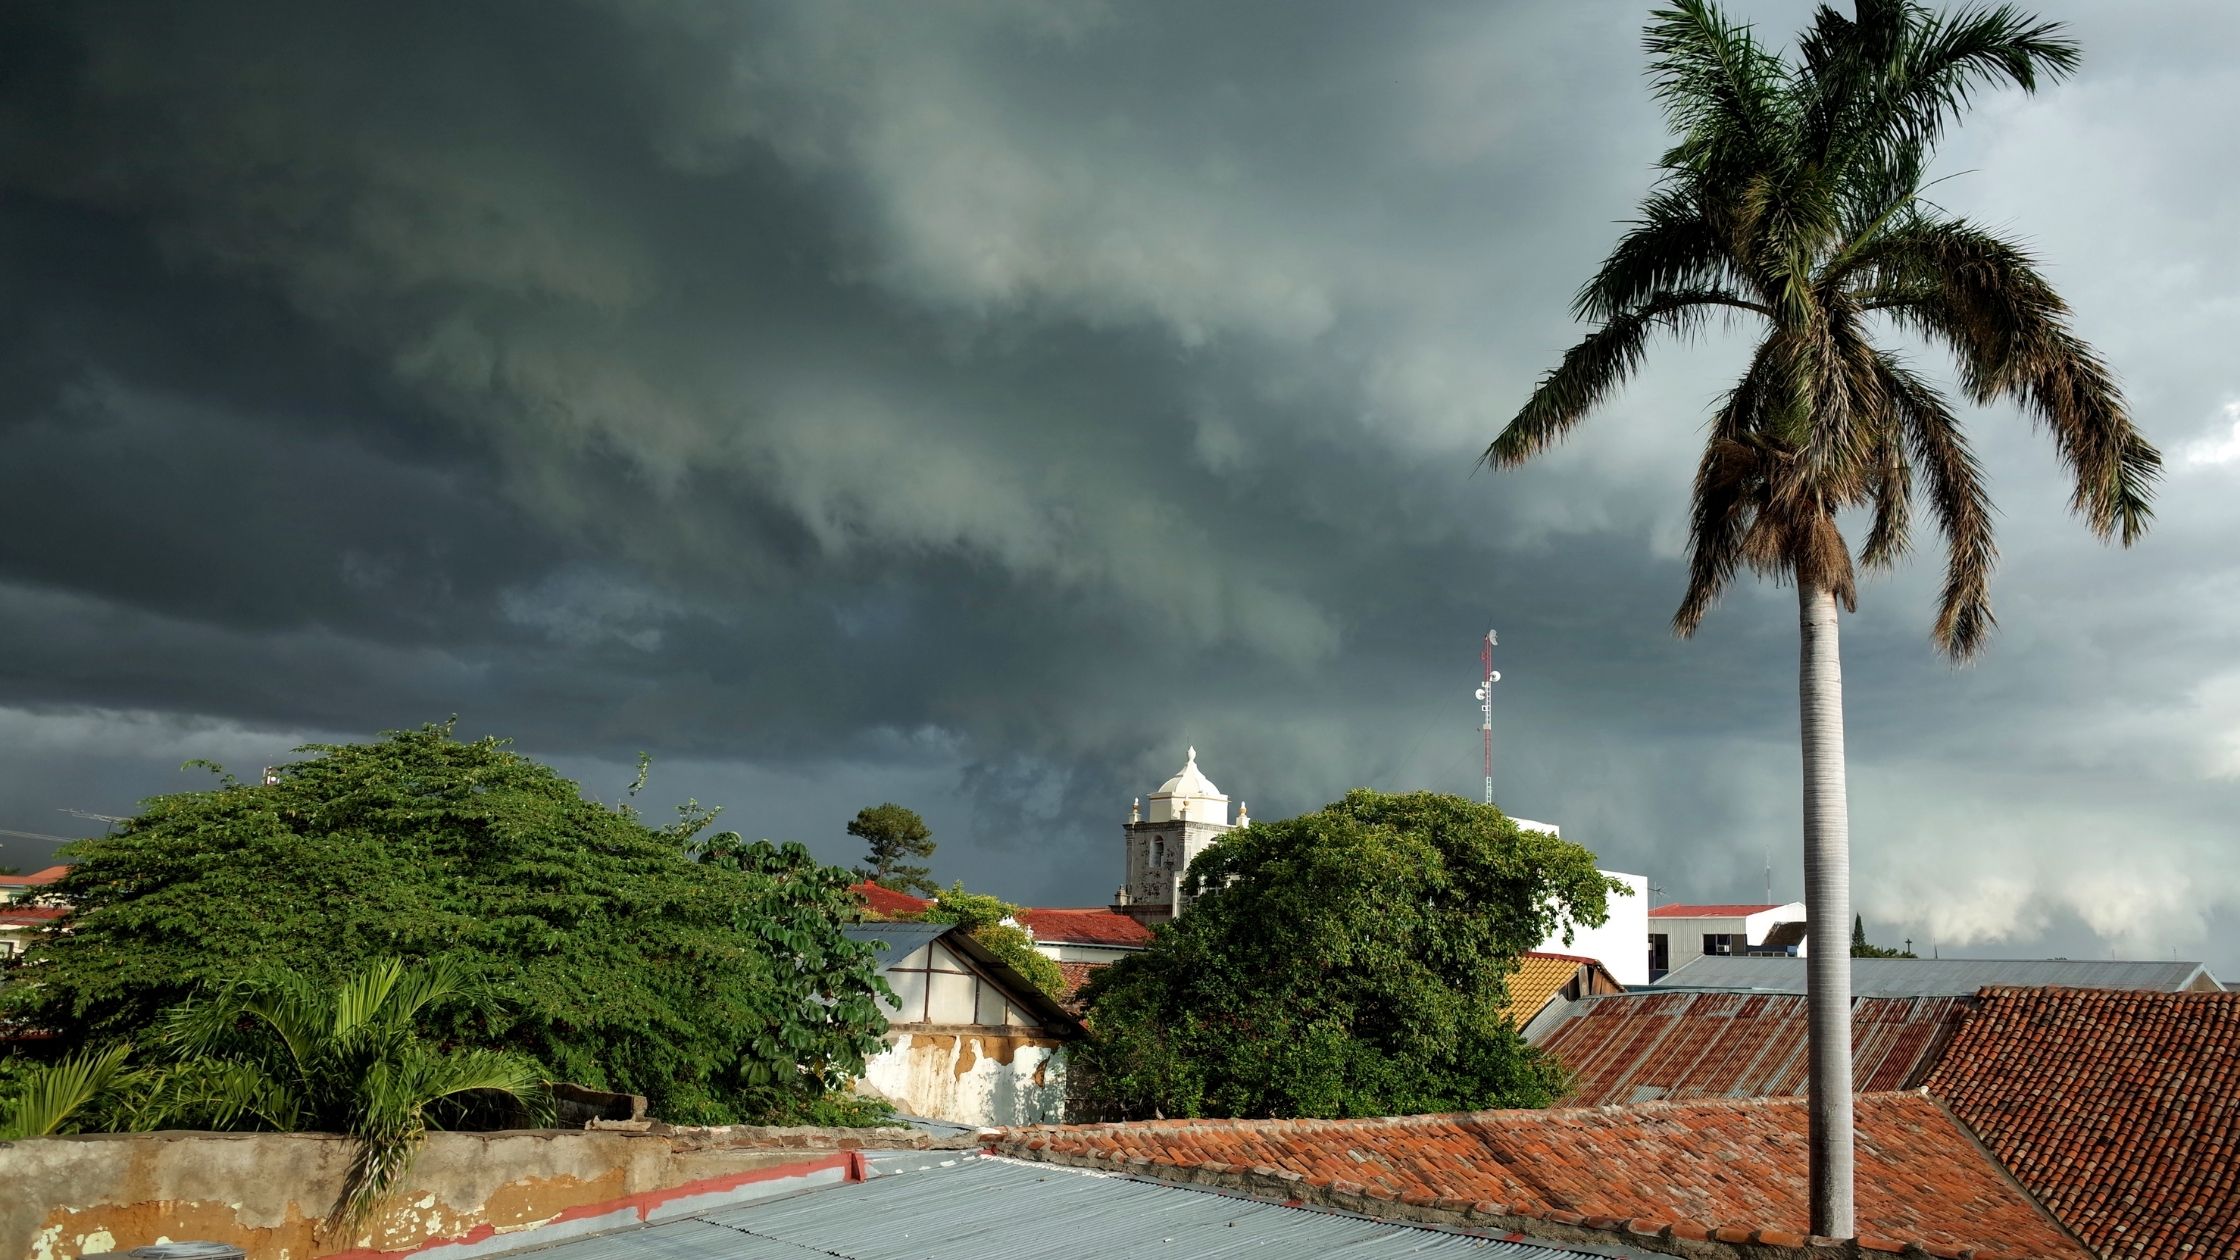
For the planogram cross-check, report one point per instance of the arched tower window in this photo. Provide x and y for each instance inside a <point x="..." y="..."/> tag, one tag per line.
<point x="1158" y="851"/>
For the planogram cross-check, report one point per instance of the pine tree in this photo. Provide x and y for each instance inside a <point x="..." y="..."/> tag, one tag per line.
<point x="896" y="834"/>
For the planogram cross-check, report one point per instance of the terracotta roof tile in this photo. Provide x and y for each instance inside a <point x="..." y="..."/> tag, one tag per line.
<point x="30" y="916"/>
<point x="1643" y="1046"/>
<point x="1093" y="926"/>
<point x="1075" y="975"/>
<point x="36" y="879"/>
<point x="1540" y="976"/>
<point x="880" y="899"/>
<point x="2119" y="1109"/>
<point x="1690" y="1167"/>
<point x="1722" y="910"/>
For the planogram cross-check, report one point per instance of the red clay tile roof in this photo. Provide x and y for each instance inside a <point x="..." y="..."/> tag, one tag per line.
<point x="35" y="879"/>
<point x="1727" y="1164"/>
<point x="2120" y="1110"/>
<point x="1642" y="1046"/>
<point x="1093" y="926"/>
<point x="882" y="900"/>
<point x="1075" y="975"/>
<point x="1720" y="911"/>
<point x="30" y="916"/>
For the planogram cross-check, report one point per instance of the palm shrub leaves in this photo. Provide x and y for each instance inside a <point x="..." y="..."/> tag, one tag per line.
<point x="92" y="1089"/>
<point x="1793" y="197"/>
<point x="279" y="1052"/>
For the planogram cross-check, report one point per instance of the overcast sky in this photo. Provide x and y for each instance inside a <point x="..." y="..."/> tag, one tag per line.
<point x="974" y="404"/>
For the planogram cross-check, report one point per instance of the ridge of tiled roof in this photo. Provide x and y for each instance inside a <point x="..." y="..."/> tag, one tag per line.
<point x="2118" y="1109"/>
<point x="1714" y="910"/>
<point x="1726" y="1171"/>
<point x="1092" y="925"/>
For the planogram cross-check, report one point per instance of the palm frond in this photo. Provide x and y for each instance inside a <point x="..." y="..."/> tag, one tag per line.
<point x="60" y="1097"/>
<point x="1984" y="297"/>
<point x="1722" y="92"/>
<point x="1596" y="366"/>
<point x="1961" y="506"/>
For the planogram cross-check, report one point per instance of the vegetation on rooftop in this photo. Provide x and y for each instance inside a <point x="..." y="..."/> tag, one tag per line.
<point x="987" y="919"/>
<point x="1348" y="962"/>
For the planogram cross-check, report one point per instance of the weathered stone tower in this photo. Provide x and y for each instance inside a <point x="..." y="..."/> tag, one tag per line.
<point x="1187" y="814"/>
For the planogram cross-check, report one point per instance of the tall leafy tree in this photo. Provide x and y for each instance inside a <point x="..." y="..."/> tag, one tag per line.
<point x="1793" y="198"/>
<point x="1349" y="962"/>
<point x="712" y="978"/>
<point x="896" y="835"/>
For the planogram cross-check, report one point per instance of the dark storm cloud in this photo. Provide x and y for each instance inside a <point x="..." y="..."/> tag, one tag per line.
<point x="974" y="403"/>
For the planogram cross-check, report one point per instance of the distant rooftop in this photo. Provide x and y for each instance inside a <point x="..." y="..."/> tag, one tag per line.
<point x="1723" y="910"/>
<point x="1093" y="925"/>
<point x="880" y="899"/>
<point x="36" y="879"/>
<point x="1936" y="977"/>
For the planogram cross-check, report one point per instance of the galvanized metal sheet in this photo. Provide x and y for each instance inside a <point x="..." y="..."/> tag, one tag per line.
<point x="1928" y="977"/>
<point x="981" y="1208"/>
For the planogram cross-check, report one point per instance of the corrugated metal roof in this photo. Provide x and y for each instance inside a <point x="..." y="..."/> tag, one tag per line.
<point x="1931" y="977"/>
<point x="983" y="1208"/>
<point x="901" y="939"/>
<point x="1640" y="1046"/>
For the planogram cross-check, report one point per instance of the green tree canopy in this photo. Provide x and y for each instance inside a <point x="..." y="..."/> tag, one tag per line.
<point x="720" y="988"/>
<point x="984" y="917"/>
<point x="1348" y="962"/>
<point x="896" y="834"/>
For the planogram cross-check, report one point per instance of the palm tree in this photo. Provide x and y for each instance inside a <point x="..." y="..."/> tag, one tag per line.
<point x="1793" y="198"/>
<point x="93" y="1089"/>
<point x="278" y="1052"/>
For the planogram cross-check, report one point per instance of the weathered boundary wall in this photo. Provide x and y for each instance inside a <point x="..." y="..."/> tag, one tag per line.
<point x="970" y="1075"/>
<point x="469" y="1195"/>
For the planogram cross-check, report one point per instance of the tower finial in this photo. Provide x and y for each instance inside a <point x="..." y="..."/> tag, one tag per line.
<point x="1193" y="754"/>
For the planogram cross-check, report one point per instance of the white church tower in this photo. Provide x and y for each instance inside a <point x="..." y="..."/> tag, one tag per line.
<point x="1187" y="814"/>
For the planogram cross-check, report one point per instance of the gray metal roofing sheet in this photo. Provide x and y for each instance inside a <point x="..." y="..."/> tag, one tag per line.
<point x="1929" y="977"/>
<point x="899" y="938"/>
<point x="982" y="1208"/>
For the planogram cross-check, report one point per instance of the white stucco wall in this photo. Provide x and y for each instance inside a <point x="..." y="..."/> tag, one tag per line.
<point x="1620" y="945"/>
<point x="966" y="1077"/>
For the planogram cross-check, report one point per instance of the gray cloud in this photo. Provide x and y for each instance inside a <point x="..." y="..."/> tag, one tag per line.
<point x="974" y="403"/>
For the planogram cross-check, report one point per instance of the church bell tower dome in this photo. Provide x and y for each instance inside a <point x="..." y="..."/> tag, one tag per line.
<point x="1189" y="797"/>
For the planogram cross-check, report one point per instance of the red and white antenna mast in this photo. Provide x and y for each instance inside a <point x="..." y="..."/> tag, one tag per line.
<point x="1485" y="705"/>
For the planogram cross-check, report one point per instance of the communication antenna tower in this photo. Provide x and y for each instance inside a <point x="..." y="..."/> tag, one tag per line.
<point x="1485" y="705"/>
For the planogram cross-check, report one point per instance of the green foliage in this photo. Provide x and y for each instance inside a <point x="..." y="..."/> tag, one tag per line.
<point x="711" y="977"/>
<point x="280" y="1052"/>
<point x="896" y="835"/>
<point x="1861" y="948"/>
<point x="1348" y="962"/>
<point x="983" y="916"/>
<point x="93" y="1090"/>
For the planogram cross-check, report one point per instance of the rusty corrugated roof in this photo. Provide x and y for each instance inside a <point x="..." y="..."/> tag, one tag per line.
<point x="1640" y="1046"/>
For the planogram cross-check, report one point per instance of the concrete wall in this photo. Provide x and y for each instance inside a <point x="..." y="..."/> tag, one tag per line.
<point x="469" y="1195"/>
<point x="981" y="1076"/>
<point x="1622" y="944"/>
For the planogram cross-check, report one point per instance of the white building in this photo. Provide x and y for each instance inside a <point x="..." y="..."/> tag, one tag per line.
<point x="1680" y="934"/>
<point x="1187" y="814"/>
<point x="1617" y="943"/>
<point x="969" y="1040"/>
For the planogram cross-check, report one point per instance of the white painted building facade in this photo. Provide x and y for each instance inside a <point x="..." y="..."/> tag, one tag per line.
<point x="968" y="1040"/>
<point x="1680" y="934"/>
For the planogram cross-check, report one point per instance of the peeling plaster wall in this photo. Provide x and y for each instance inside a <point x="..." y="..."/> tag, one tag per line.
<point x="995" y="1078"/>
<point x="268" y="1193"/>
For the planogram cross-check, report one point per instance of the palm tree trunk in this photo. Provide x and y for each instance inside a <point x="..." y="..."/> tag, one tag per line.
<point x="1827" y="896"/>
